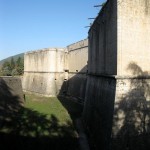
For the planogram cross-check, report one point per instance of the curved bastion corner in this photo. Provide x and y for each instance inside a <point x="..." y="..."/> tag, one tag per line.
<point x="48" y="71"/>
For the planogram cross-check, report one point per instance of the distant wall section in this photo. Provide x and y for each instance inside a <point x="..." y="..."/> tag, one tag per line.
<point x="54" y="71"/>
<point x="43" y="70"/>
<point x="77" y="69"/>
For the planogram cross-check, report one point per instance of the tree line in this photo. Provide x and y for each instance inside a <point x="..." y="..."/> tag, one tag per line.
<point x="12" y="67"/>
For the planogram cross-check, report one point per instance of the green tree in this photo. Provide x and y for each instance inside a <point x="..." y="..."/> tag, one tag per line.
<point x="13" y="68"/>
<point x="12" y="64"/>
<point x="1" y="72"/>
<point x="6" y="69"/>
<point x="20" y="66"/>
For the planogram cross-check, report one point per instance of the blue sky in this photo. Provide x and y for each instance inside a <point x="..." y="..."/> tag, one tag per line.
<point x="27" y="25"/>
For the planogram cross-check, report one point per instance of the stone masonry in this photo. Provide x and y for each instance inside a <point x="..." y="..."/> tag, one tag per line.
<point x="117" y="102"/>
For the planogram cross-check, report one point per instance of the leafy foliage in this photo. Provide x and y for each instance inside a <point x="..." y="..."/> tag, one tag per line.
<point x="12" y="67"/>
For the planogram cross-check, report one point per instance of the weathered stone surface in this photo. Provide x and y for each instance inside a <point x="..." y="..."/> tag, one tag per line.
<point x="44" y="70"/>
<point x="77" y="70"/>
<point x="133" y="29"/>
<point x="11" y="90"/>
<point x="46" y="60"/>
<point x="117" y="101"/>
<point x="102" y="57"/>
<point x="78" y="56"/>
<point x="57" y="71"/>
<point x="117" y="89"/>
<point x="11" y="99"/>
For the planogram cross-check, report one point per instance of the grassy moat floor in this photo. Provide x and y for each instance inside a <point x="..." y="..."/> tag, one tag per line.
<point x="41" y="123"/>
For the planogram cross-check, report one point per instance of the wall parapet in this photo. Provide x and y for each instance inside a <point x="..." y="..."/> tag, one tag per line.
<point x="78" y="45"/>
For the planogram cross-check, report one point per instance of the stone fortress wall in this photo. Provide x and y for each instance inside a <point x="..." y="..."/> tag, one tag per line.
<point x="77" y="69"/>
<point x="42" y="69"/>
<point x="117" y="101"/>
<point x="47" y="70"/>
<point x="115" y="87"/>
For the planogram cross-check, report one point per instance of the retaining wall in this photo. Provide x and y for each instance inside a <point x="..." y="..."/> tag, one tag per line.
<point x="11" y="100"/>
<point x="11" y="91"/>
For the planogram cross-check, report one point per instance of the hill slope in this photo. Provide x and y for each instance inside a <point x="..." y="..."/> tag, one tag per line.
<point x="15" y="57"/>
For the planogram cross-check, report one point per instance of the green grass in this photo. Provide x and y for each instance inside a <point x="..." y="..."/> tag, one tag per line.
<point x="39" y="116"/>
<point x="41" y="123"/>
<point x="48" y="106"/>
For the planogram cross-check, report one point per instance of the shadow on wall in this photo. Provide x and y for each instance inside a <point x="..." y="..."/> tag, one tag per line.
<point x="74" y="88"/>
<point x="71" y="96"/>
<point x="23" y="128"/>
<point x="98" y="117"/>
<point x="98" y="109"/>
<point x="132" y="116"/>
<point x="8" y="103"/>
<point x="72" y="93"/>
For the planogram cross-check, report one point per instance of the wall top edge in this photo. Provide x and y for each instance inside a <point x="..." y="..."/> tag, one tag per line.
<point x="46" y="49"/>
<point x="77" y="45"/>
<point x="99" y="14"/>
<point x="80" y="44"/>
<point x="121" y="76"/>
